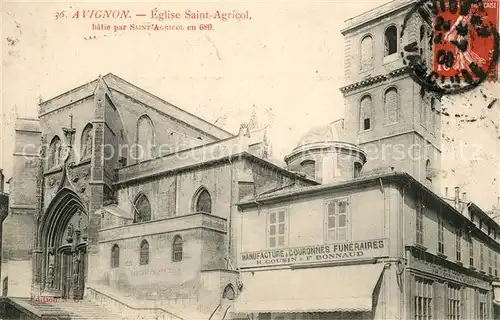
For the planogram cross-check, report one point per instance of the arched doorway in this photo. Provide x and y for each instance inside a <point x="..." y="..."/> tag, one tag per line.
<point x="64" y="242"/>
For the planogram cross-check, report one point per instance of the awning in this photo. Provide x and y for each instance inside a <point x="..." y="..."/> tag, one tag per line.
<point x="326" y="289"/>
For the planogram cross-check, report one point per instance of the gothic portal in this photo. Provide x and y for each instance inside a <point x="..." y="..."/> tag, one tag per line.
<point x="63" y="237"/>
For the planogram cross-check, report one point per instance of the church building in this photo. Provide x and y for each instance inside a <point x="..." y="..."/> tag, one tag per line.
<point x="124" y="206"/>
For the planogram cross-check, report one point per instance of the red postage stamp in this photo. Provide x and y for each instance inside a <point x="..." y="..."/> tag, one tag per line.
<point x="464" y="39"/>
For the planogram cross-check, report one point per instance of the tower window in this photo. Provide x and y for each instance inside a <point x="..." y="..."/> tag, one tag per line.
<point x="391" y="106"/>
<point x="308" y="167"/>
<point x="433" y="114"/>
<point x="365" y="113"/>
<point x="391" y="40"/>
<point x="366" y="53"/>
<point x="357" y="169"/>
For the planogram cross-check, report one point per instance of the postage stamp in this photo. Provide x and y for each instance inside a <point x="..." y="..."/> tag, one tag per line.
<point x="464" y="44"/>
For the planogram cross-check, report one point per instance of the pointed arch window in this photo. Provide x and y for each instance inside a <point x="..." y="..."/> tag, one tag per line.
<point x="391" y="40"/>
<point x="366" y="53"/>
<point x="145" y="138"/>
<point x="203" y="201"/>
<point x="228" y="293"/>
<point x="177" y="249"/>
<point x="86" y="141"/>
<point x="55" y="152"/>
<point x="142" y="209"/>
<point x="115" y="256"/>
<point x="366" y="107"/>
<point x="391" y="106"/>
<point x="144" y="253"/>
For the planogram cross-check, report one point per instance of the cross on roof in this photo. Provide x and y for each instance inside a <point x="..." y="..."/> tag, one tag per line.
<point x="69" y="131"/>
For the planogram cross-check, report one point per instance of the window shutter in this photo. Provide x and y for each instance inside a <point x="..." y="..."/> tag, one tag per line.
<point x="268" y="215"/>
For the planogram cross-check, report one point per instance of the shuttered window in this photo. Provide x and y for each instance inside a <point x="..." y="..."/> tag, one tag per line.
<point x="277" y="228"/>
<point x="336" y="220"/>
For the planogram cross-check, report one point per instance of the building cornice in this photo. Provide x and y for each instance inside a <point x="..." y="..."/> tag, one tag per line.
<point x="226" y="159"/>
<point x="375" y="14"/>
<point x="327" y="145"/>
<point x="374" y="80"/>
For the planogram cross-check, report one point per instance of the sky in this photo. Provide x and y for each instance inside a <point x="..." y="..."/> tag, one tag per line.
<point x="286" y="63"/>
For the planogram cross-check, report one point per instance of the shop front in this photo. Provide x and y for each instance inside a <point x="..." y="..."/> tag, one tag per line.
<point x="337" y="281"/>
<point x="441" y="289"/>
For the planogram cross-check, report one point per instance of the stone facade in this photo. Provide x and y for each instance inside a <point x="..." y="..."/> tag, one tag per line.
<point x="129" y="196"/>
<point x="405" y="134"/>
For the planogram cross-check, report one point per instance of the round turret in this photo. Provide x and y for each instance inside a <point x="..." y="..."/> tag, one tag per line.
<point x="325" y="154"/>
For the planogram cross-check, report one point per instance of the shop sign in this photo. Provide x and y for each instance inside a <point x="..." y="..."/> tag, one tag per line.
<point x="446" y="273"/>
<point x="310" y="254"/>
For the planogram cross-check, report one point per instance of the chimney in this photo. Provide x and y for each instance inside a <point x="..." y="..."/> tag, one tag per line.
<point x="457" y="197"/>
<point x="446" y="191"/>
<point x="464" y="198"/>
<point x="2" y="178"/>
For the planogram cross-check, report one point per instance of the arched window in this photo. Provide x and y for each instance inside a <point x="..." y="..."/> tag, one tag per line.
<point x="423" y="45"/>
<point x="86" y="142"/>
<point x="366" y="53"/>
<point x="391" y="40"/>
<point x="142" y="209"/>
<point x="433" y="114"/>
<point x="203" y="201"/>
<point x="308" y="167"/>
<point x="145" y="138"/>
<point x="357" y="169"/>
<point x="228" y="293"/>
<point x="144" y="253"/>
<point x="55" y="152"/>
<point x="391" y="106"/>
<point x="115" y="256"/>
<point x="177" y="249"/>
<point x="365" y="107"/>
<point x="428" y="170"/>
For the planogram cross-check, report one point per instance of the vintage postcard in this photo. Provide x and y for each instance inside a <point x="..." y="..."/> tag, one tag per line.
<point x="250" y="160"/>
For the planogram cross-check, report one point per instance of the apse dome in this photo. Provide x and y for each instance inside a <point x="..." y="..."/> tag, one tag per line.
<point x="322" y="134"/>
<point x="326" y="154"/>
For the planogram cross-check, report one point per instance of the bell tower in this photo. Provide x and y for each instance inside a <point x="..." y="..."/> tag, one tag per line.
<point x="393" y="120"/>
